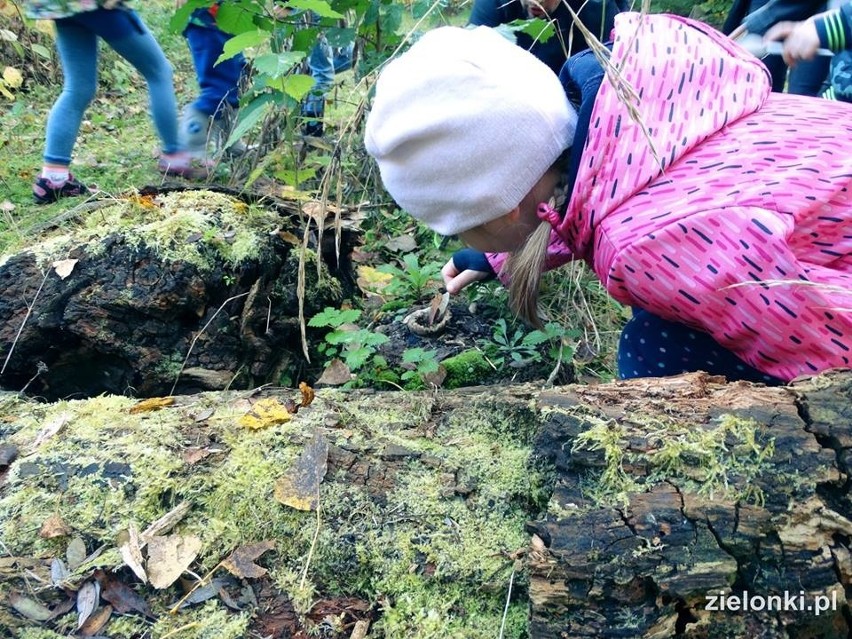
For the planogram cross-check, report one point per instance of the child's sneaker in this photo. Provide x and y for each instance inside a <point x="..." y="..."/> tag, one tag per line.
<point x="194" y="131"/>
<point x="45" y="191"/>
<point x="184" y="164"/>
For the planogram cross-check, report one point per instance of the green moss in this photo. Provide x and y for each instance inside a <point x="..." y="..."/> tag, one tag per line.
<point x="190" y="226"/>
<point x="468" y="368"/>
<point x="431" y="547"/>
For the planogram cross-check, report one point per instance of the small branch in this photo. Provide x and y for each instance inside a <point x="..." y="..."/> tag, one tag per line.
<point x="506" y="609"/>
<point x="24" y="323"/>
<point x="313" y="546"/>
<point x="174" y="609"/>
<point x="199" y="334"/>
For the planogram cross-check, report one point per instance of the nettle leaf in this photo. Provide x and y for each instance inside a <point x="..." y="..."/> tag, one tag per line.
<point x="298" y="86"/>
<point x="249" y="116"/>
<point x="277" y="64"/>
<point x="536" y="28"/>
<point x="241" y="42"/>
<point x="319" y="7"/>
<point x="237" y="17"/>
<point x="181" y="17"/>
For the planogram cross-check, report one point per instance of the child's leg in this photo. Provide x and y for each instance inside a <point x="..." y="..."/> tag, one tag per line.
<point x="654" y="347"/>
<point x="219" y="83"/>
<point x="78" y="51"/>
<point x="141" y="49"/>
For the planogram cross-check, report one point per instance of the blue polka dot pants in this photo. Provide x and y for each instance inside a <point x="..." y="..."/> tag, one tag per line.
<point x="653" y="347"/>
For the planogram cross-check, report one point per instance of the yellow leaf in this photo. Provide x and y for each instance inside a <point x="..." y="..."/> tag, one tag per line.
<point x="372" y="280"/>
<point x="12" y="77"/>
<point x="267" y="412"/>
<point x="152" y="404"/>
<point x="169" y="556"/>
<point x="299" y="488"/>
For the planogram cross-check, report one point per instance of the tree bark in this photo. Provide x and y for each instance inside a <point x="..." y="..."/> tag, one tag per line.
<point x="757" y="545"/>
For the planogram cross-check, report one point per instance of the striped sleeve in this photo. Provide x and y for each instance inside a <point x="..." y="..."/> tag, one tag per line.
<point x="833" y="28"/>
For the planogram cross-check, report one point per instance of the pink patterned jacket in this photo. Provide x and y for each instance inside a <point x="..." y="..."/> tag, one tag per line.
<point x="739" y="221"/>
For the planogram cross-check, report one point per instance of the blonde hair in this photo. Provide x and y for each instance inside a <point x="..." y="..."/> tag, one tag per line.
<point x="525" y="267"/>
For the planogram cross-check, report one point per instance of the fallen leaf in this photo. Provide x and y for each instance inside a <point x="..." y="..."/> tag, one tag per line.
<point x="96" y="621"/>
<point x="299" y="487"/>
<point x="288" y="237"/>
<point x="204" y="415"/>
<point x="54" y="526"/>
<point x="195" y="454"/>
<point x="75" y="554"/>
<point x="29" y="608"/>
<point x="58" y="571"/>
<point x="87" y="600"/>
<point x="151" y="404"/>
<point x="401" y="243"/>
<point x="50" y="429"/>
<point x="12" y="77"/>
<point x="64" y="268"/>
<point x="130" y="547"/>
<point x="335" y="374"/>
<point x="307" y="394"/>
<point x="360" y="629"/>
<point x="240" y="563"/>
<point x="371" y="280"/>
<point x="122" y="597"/>
<point x="267" y="412"/>
<point x="169" y="556"/>
<point x="438" y="307"/>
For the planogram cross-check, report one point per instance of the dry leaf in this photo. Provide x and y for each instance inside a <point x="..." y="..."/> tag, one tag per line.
<point x="58" y="571"/>
<point x="151" y="404"/>
<point x="240" y="563"/>
<point x="7" y="206"/>
<point x="130" y="547"/>
<point x="288" y="237"/>
<point x="12" y="77"/>
<point x="335" y="374"/>
<point x="123" y="598"/>
<point x="307" y="394"/>
<point x="267" y="412"/>
<point x="438" y="307"/>
<point x="204" y="415"/>
<point x="75" y="554"/>
<point x="50" y="429"/>
<point x="29" y="608"/>
<point x="371" y="280"/>
<point x="195" y="454"/>
<point x="54" y="526"/>
<point x="169" y="556"/>
<point x="401" y="243"/>
<point x="64" y="268"/>
<point x="360" y="629"/>
<point x="299" y="488"/>
<point x="96" y="622"/>
<point x="87" y="600"/>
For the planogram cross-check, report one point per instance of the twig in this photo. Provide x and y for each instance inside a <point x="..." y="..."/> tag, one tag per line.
<point x="24" y="323"/>
<point x="173" y="610"/>
<point x="313" y="546"/>
<point x="192" y="624"/>
<point x="506" y="609"/>
<point x="199" y="334"/>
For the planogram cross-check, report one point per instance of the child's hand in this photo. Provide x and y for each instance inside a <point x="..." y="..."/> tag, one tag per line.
<point x="466" y="266"/>
<point x="801" y="40"/>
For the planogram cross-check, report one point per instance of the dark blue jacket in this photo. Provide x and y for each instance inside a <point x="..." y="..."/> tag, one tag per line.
<point x="596" y="15"/>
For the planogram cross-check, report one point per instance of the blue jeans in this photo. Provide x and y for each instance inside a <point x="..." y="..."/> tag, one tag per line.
<point x="321" y="63"/>
<point x="77" y="43"/>
<point x="651" y="346"/>
<point x="219" y="84"/>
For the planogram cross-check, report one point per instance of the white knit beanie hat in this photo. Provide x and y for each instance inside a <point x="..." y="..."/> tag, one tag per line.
<point x="464" y="124"/>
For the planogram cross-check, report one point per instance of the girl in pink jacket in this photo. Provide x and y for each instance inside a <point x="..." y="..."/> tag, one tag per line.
<point x="719" y="210"/>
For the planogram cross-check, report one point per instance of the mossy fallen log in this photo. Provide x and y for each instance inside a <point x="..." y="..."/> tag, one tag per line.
<point x="196" y="289"/>
<point x="581" y="511"/>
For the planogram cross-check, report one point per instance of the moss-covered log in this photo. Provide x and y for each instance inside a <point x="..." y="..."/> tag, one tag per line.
<point x="689" y="507"/>
<point x="135" y="294"/>
<point x="602" y="511"/>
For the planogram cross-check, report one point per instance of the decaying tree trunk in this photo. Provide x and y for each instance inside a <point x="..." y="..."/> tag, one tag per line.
<point x="688" y="507"/>
<point x="143" y="302"/>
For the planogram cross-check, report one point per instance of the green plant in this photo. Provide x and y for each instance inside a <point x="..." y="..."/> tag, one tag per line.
<point x="523" y="348"/>
<point x="412" y="280"/>
<point x="419" y="364"/>
<point x="354" y="345"/>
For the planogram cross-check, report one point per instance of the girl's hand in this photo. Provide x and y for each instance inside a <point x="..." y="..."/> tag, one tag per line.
<point x="801" y="40"/>
<point x="466" y="266"/>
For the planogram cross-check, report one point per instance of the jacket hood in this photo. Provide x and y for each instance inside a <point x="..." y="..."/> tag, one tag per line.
<point x="688" y="82"/>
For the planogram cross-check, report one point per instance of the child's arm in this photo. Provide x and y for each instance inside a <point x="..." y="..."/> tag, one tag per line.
<point x="802" y="40"/>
